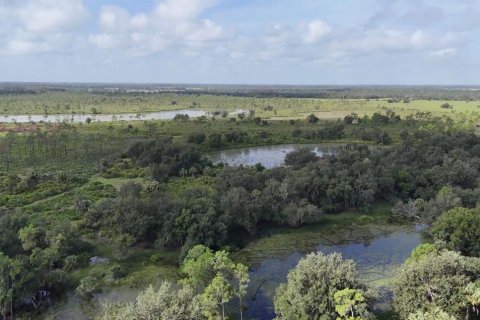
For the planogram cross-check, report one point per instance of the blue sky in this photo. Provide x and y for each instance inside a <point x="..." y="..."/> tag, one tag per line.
<point x="241" y="41"/>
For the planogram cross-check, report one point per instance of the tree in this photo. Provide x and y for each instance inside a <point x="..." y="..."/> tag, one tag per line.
<point x="242" y="280"/>
<point x="434" y="280"/>
<point x="446" y="105"/>
<point x="166" y="303"/>
<point x="459" y="229"/>
<point x="32" y="237"/>
<point x="312" y="119"/>
<point x="197" y="138"/>
<point x="181" y="117"/>
<point x="421" y="251"/>
<point x="350" y="305"/>
<point x="6" y="297"/>
<point x="217" y="276"/>
<point x="411" y="210"/>
<point x="296" y="215"/>
<point x="217" y="294"/>
<point x="300" y="157"/>
<point x="445" y="199"/>
<point x="198" y="266"/>
<point x="240" y="209"/>
<point x="434" y="314"/>
<point x="215" y="140"/>
<point x="349" y="119"/>
<point x="309" y="293"/>
<point x="472" y="292"/>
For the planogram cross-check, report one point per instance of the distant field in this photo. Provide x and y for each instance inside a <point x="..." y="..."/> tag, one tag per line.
<point x="270" y="108"/>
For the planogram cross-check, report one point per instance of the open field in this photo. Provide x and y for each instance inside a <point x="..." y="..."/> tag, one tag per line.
<point x="270" y="108"/>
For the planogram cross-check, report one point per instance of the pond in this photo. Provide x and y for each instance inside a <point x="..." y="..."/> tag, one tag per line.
<point x="269" y="156"/>
<point x="82" y="118"/>
<point x="377" y="248"/>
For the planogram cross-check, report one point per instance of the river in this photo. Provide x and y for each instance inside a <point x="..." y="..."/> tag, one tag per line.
<point x="82" y="118"/>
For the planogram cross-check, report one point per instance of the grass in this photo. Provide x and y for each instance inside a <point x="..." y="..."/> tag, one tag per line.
<point x="117" y="183"/>
<point x="279" y="241"/>
<point x="270" y="108"/>
<point x="141" y="270"/>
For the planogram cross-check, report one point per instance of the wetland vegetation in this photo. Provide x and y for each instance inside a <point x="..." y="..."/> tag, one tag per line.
<point x="216" y="215"/>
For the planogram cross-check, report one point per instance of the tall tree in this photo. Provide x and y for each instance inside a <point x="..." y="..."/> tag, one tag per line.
<point x="309" y="293"/>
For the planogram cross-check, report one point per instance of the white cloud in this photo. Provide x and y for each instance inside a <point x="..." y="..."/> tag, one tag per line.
<point x="39" y="26"/>
<point x="443" y="53"/>
<point x="207" y="31"/>
<point x="139" y="21"/>
<point x="106" y="41"/>
<point x="114" y="19"/>
<point x="44" y="16"/>
<point x="172" y="23"/>
<point x="258" y="34"/>
<point x="182" y="10"/>
<point x="316" y="30"/>
<point x="21" y="47"/>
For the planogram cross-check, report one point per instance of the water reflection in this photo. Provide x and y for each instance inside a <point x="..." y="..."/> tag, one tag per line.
<point x="268" y="156"/>
<point x="82" y="118"/>
<point x="377" y="250"/>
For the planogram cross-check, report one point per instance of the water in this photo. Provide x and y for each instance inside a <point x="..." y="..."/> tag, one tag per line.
<point x="268" y="156"/>
<point x="378" y="251"/>
<point x="82" y="118"/>
<point x="377" y="248"/>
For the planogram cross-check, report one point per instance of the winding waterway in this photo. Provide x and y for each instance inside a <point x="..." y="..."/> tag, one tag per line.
<point x="378" y="249"/>
<point x="82" y="118"/>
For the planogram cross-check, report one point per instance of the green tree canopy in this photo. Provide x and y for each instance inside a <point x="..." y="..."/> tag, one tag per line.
<point x="309" y="293"/>
<point x="434" y="280"/>
<point x="459" y="229"/>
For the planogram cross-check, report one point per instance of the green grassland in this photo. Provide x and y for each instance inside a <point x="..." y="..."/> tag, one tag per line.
<point x="270" y="108"/>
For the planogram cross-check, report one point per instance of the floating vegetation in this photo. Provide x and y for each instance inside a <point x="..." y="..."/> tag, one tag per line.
<point x="378" y="249"/>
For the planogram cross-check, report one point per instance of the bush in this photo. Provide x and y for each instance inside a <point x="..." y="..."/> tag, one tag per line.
<point x="312" y="118"/>
<point x="88" y="287"/>
<point x="156" y="258"/>
<point x="71" y="263"/>
<point x="197" y="138"/>
<point x="118" y="271"/>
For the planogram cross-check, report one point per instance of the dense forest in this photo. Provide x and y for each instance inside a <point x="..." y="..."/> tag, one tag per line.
<point x="285" y="91"/>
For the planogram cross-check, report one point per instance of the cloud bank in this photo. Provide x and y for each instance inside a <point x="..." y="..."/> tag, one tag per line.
<point x="206" y="33"/>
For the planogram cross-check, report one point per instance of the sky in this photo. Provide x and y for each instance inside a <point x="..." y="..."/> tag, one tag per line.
<point x="334" y="42"/>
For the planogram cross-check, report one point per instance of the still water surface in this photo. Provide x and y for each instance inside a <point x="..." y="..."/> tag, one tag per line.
<point x="377" y="248"/>
<point x="82" y="118"/>
<point x="268" y="156"/>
